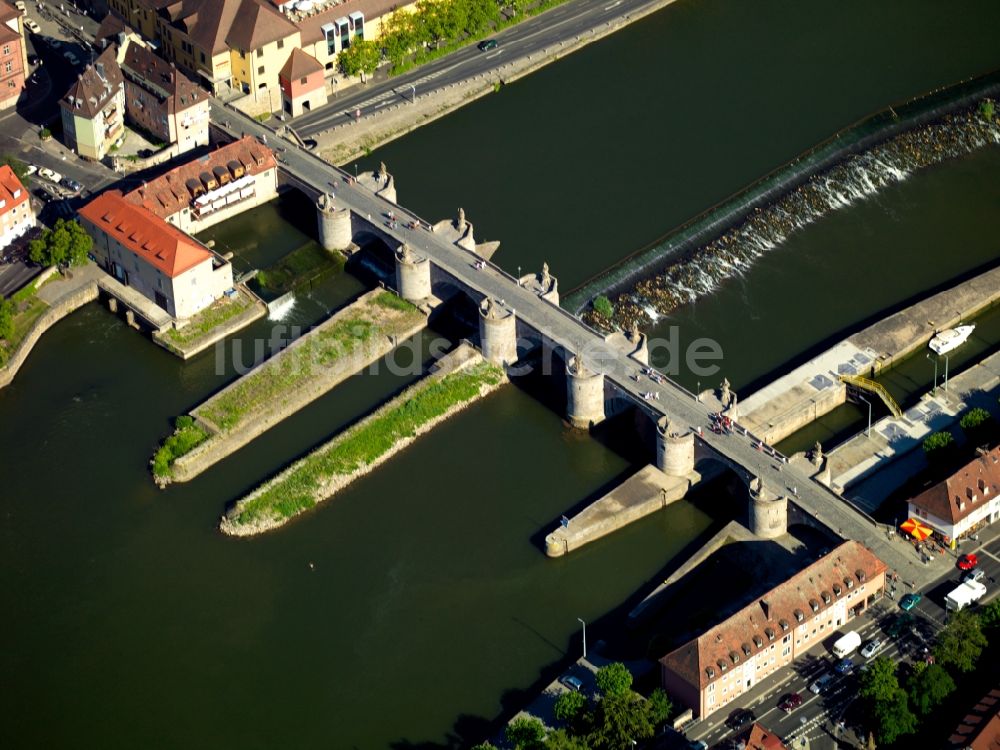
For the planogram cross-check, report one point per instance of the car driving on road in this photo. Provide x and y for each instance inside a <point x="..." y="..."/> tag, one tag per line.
<point x="740" y="718"/>
<point x="844" y="666"/>
<point x="818" y="686"/>
<point x="68" y="182"/>
<point x="487" y="44"/>
<point x="973" y="575"/>
<point x="908" y="602"/>
<point x="790" y="702"/>
<point x="968" y="562"/>
<point x="871" y="648"/>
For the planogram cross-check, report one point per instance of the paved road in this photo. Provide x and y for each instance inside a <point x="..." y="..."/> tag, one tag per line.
<point x="566" y="330"/>
<point x="561" y="23"/>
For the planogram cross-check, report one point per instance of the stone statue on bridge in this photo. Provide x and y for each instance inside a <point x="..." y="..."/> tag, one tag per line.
<point x="725" y="394"/>
<point x="489" y="310"/>
<point x="633" y="333"/>
<point x="460" y="221"/>
<point x="405" y="254"/>
<point x="383" y="173"/>
<point x="546" y="278"/>
<point x="817" y="454"/>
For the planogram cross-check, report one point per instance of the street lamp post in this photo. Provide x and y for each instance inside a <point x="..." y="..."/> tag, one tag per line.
<point x="519" y="276"/>
<point x="945" y="373"/>
<point x="581" y="621"/>
<point x="355" y="171"/>
<point x="934" y="390"/>
<point x="868" y="432"/>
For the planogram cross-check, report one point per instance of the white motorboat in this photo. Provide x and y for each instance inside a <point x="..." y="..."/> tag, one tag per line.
<point x="946" y="341"/>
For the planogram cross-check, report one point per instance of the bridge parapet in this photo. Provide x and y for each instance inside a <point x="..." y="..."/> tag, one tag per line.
<point x="544" y="284"/>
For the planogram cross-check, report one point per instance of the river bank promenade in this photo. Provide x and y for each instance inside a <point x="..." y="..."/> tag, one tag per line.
<point x="352" y="339"/>
<point x="813" y="389"/>
<point x="456" y="381"/>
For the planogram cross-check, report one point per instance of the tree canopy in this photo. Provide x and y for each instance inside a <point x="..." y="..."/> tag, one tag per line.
<point x="362" y="56"/>
<point x="974" y="418"/>
<point x="526" y="733"/>
<point x="66" y="244"/>
<point x="6" y="319"/>
<point x="928" y="686"/>
<point x="879" y="681"/>
<point x="893" y="718"/>
<point x="961" y="641"/>
<point x="569" y="705"/>
<point x="937" y="441"/>
<point x="614" y="680"/>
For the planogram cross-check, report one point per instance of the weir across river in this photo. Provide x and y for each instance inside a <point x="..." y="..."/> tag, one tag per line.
<point x="603" y="373"/>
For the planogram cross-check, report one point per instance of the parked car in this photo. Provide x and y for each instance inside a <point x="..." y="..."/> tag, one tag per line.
<point x="790" y="702"/>
<point x="44" y="195"/>
<point x="30" y="169"/>
<point x="33" y="27"/>
<point x="49" y="174"/>
<point x="909" y="601"/>
<point x="740" y="718"/>
<point x="845" y="666"/>
<point x="487" y="44"/>
<point x="72" y="184"/>
<point x="973" y="575"/>
<point x="697" y="745"/>
<point x="573" y="683"/>
<point x="821" y="684"/>
<point x="20" y="5"/>
<point x="968" y="562"/>
<point x="899" y="626"/>
<point x="871" y="648"/>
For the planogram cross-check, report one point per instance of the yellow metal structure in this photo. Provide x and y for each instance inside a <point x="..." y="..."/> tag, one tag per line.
<point x="877" y="388"/>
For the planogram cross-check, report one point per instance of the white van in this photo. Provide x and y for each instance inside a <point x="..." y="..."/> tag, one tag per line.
<point x="847" y="644"/>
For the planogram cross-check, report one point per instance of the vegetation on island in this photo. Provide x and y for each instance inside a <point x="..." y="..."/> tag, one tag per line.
<point x="208" y="320"/>
<point x="186" y="437"/>
<point x="603" y="307"/>
<point x="300" y="487"/>
<point x="297" y="366"/>
<point x="615" y="719"/>
<point x="66" y="244"/>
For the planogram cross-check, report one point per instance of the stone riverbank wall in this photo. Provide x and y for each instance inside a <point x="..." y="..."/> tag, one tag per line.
<point x="56" y="312"/>
<point x="310" y="366"/>
<point x="320" y="475"/>
<point x="854" y="163"/>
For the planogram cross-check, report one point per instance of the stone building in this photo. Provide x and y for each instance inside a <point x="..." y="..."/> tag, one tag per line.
<point x="13" y="55"/>
<point x="16" y="216"/>
<point x="163" y="101"/>
<point x="194" y="196"/>
<point x="729" y="659"/>
<point x="303" y="86"/>
<point x="93" y="110"/>
<point x="152" y="256"/>
<point x="965" y="501"/>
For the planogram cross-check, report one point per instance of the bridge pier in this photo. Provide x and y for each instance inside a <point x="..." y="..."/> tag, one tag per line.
<point x="768" y="512"/>
<point x="497" y="332"/>
<point x="334" y="225"/>
<point x="584" y="395"/>
<point x="674" y="452"/>
<point x="413" y="275"/>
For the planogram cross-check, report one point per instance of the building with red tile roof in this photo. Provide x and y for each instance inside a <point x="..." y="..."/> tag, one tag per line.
<point x="212" y="188"/>
<point x="16" y="216"/>
<point x="13" y="55"/>
<point x="154" y="257"/>
<point x="727" y="660"/>
<point x="93" y="110"/>
<point x="965" y="501"/>
<point x="763" y="739"/>
<point x="303" y="85"/>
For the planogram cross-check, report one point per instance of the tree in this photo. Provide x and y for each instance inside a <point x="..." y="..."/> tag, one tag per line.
<point x="19" y="167"/>
<point x="974" y="417"/>
<point x="525" y="733"/>
<point x="362" y="56"/>
<point x="928" y="686"/>
<point x="603" y="307"/>
<point x="6" y="319"/>
<point x="961" y="641"/>
<point x="989" y="615"/>
<point x="937" y="441"/>
<point x="893" y="718"/>
<point x="620" y="719"/>
<point x="560" y="739"/>
<point x="614" y="679"/>
<point x="569" y="705"/>
<point x="484" y="746"/>
<point x="659" y="706"/>
<point x="878" y="682"/>
<point x="66" y="244"/>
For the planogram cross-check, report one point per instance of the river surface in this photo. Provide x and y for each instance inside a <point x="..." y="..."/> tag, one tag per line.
<point x="418" y="605"/>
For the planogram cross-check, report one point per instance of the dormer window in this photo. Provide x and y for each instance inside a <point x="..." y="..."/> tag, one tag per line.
<point x="837" y="591"/>
<point x="783" y="624"/>
<point x="826" y="597"/>
<point x="746" y="649"/>
<point x="799" y="616"/>
<point x="814" y="605"/>
<point x="769" y="633"/>
<point x="710" y="671"/>
<point x="849" y="583"/>
<point x="758" y="641"/>
<point x="735" y="657"/>
<point x="860" y="574"/>
<point x="722" y="665"/>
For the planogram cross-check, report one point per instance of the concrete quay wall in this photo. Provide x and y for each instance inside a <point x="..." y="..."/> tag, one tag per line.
<point x="221" y="444"/>
<point x="56" y="312"/>
<point x="645" y="492"/>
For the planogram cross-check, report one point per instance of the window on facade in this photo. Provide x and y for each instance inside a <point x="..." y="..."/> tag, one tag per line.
<point x="6" y="49"/>
<point x="260" y="70"/>
<point x="203" y="57"/>
<point x="8" y="66"/>
<point x="281" y="44"/>
<point x="243" y="55"/>
<point x="303" y="80"/>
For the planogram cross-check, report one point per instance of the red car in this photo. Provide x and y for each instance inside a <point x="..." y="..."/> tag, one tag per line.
<point x="967" y="562"/>
<point x="790" y="702"/>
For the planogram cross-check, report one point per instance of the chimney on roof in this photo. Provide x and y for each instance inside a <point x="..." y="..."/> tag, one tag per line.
<point x="766" y="606"/>
<point x="970" y="493"/>
<point x="983" y="487"/>
<point x="100" y="70"/>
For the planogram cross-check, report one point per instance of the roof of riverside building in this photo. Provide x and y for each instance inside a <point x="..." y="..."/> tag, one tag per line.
<point x="965" y="491"/>
<point x="755" y="627"/>
<point x="175" y="190"/>
<point x="176" y="89"/>
<point x="159" y="243"/>
<point x="217" y="25"/>
<point x="299" y="65"/>
<point x="12" y="192"/>
<point x="312" y="27"/>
